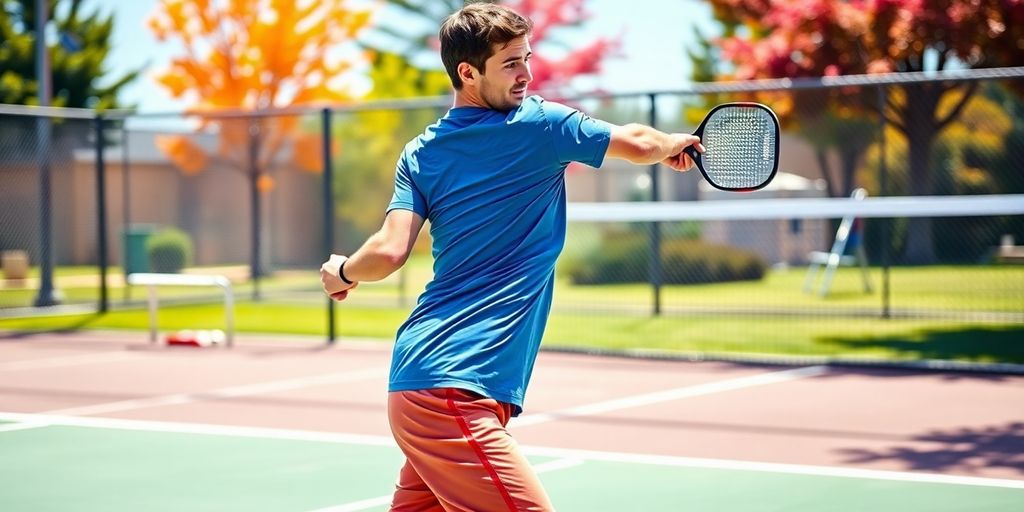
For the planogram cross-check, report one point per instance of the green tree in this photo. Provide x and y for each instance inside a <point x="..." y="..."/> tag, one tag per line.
<point x="372" y="140"/>
<point x="78" y="58"/>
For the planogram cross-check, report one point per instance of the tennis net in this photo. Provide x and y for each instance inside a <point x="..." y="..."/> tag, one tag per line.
<point x="769" y="277"/>
<point x="953" y="257"/>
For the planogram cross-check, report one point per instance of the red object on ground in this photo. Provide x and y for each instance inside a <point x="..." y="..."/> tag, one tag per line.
<point x="190" y="338"/>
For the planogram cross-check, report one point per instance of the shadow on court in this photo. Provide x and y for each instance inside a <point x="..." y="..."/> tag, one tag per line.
<point x="70" y="326"/>
<point x="970" y="344"/>
<point x="965" y="449"/>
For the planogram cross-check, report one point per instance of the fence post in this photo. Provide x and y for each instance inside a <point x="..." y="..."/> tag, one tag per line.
<point x="883" y="184"/>
<point x="328" y="191"/>
<point x="47" y="295"/>
<point x="126" y="204"/>
<point x="101" y="212"/>
<point x="655" y="226"/>
<point x="255" y="210"/>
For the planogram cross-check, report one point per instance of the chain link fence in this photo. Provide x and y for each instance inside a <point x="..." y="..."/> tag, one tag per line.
<point x="48" y="212"/>
<point x="245" y="195"/>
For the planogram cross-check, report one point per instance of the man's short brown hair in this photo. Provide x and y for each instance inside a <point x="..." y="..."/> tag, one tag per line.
<point x="470" y="34"/>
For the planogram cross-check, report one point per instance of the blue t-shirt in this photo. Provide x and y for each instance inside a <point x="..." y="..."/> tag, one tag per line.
<point x="492" y="185"/>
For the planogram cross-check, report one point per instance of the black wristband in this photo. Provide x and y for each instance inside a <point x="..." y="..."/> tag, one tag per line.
<point x="341" y="273"/>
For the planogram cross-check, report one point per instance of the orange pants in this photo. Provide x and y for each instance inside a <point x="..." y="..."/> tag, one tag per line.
<point x="459" y="456"/>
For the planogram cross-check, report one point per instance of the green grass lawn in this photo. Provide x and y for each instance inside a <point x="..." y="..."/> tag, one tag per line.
<point x="942" y="287"/>
<point x="617" y="317"/>
<point x="835" y="337"/>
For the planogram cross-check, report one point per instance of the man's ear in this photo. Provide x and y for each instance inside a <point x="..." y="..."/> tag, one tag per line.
<point x="467" y="73"/>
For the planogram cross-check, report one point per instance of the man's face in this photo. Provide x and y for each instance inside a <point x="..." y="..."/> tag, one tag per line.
<point x="503" y="85"/>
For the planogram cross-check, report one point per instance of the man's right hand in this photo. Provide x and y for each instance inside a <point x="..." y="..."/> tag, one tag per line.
<point x="334" y="287"/>
<point x="681" y="161"/>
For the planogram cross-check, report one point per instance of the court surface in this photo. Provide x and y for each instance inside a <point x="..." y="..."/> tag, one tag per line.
<point x="105" y="421"/>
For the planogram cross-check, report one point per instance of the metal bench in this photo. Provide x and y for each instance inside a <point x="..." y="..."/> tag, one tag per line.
<point x="152" y="281"/>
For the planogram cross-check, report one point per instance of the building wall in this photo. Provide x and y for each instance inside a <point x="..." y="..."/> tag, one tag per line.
<point x="19" y="208"/>
<point x="213" y="207"/>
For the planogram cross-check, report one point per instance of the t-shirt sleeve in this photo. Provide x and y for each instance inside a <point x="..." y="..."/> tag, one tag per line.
<point x="407" y="196"/>
<point x="578" y="137"/>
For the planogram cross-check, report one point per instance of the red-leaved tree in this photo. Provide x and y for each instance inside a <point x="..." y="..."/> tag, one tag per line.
<point x="550" y="73"/>
<point x="814" y="38"/>
<point x="555" y="74"/>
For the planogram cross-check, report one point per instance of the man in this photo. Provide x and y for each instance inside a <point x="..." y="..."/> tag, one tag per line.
<point x="489" y="176"/>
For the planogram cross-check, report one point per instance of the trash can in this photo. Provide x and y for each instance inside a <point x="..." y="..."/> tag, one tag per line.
<point x="135" y="258"/>
<point x="15" y="265"/>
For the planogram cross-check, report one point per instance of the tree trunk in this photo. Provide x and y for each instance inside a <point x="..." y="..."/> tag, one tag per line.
<point x="849" y="157"/>
<point x="921" y="130"/>
<point x="826" y="171"/>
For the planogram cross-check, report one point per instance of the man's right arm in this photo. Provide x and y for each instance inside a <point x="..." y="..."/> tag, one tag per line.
<point x="643" y="145"/>
<point x="387" y="250"/>
<point x="381" y="255"/>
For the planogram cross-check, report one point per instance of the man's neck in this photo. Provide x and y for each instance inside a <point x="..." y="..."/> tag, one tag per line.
<point x="468" y="98"/>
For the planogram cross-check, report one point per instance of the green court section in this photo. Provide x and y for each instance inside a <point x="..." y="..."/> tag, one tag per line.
<point x="88" y="469"/>
<point x="62" y="468"/>
<point x="597" y="485"/>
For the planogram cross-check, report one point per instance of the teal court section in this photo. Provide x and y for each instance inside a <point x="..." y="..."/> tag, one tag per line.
<point x="608" y="486"/>
<point x="62" y="468"/>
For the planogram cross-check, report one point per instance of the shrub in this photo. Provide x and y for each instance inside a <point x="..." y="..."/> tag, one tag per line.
<point x="620" y="257"/>
<point x="624" y="257"/>
<point x="693" y="261"/>
<point x="169" y="250"/>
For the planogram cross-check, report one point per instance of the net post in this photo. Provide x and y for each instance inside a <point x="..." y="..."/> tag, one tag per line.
<point x="101" y="212"/>
<point x="229" y="311"/>
<point x="883" y="183"/>
<point x="325" y="126"/>
<point x="655" y="264"/>
<point x="152" y="304"/>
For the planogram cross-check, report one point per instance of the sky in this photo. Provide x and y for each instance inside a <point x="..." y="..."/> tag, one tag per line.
<point x="654" y="35"/>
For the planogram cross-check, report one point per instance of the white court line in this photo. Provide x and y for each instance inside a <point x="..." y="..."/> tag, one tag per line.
<point x="198" y="429"/>
<point x="229" y="392"/>
<point x="584" y="455"/>
<point x="555" y="465"/>
<point x="668" y="395"/>
<point x="57" y="362"/>
<point x="381" y="501"/>
<point x="20" y="426"/>
<point x="773" y="467"/>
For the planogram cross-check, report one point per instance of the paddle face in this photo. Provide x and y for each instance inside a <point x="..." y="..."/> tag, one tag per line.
<point x="742" y="143"/>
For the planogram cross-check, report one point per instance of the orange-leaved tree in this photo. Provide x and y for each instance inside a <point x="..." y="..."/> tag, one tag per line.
<point x="250" y="55"/>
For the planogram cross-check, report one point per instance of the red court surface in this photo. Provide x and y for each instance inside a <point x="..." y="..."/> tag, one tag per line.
<point x="872" y="419"/>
